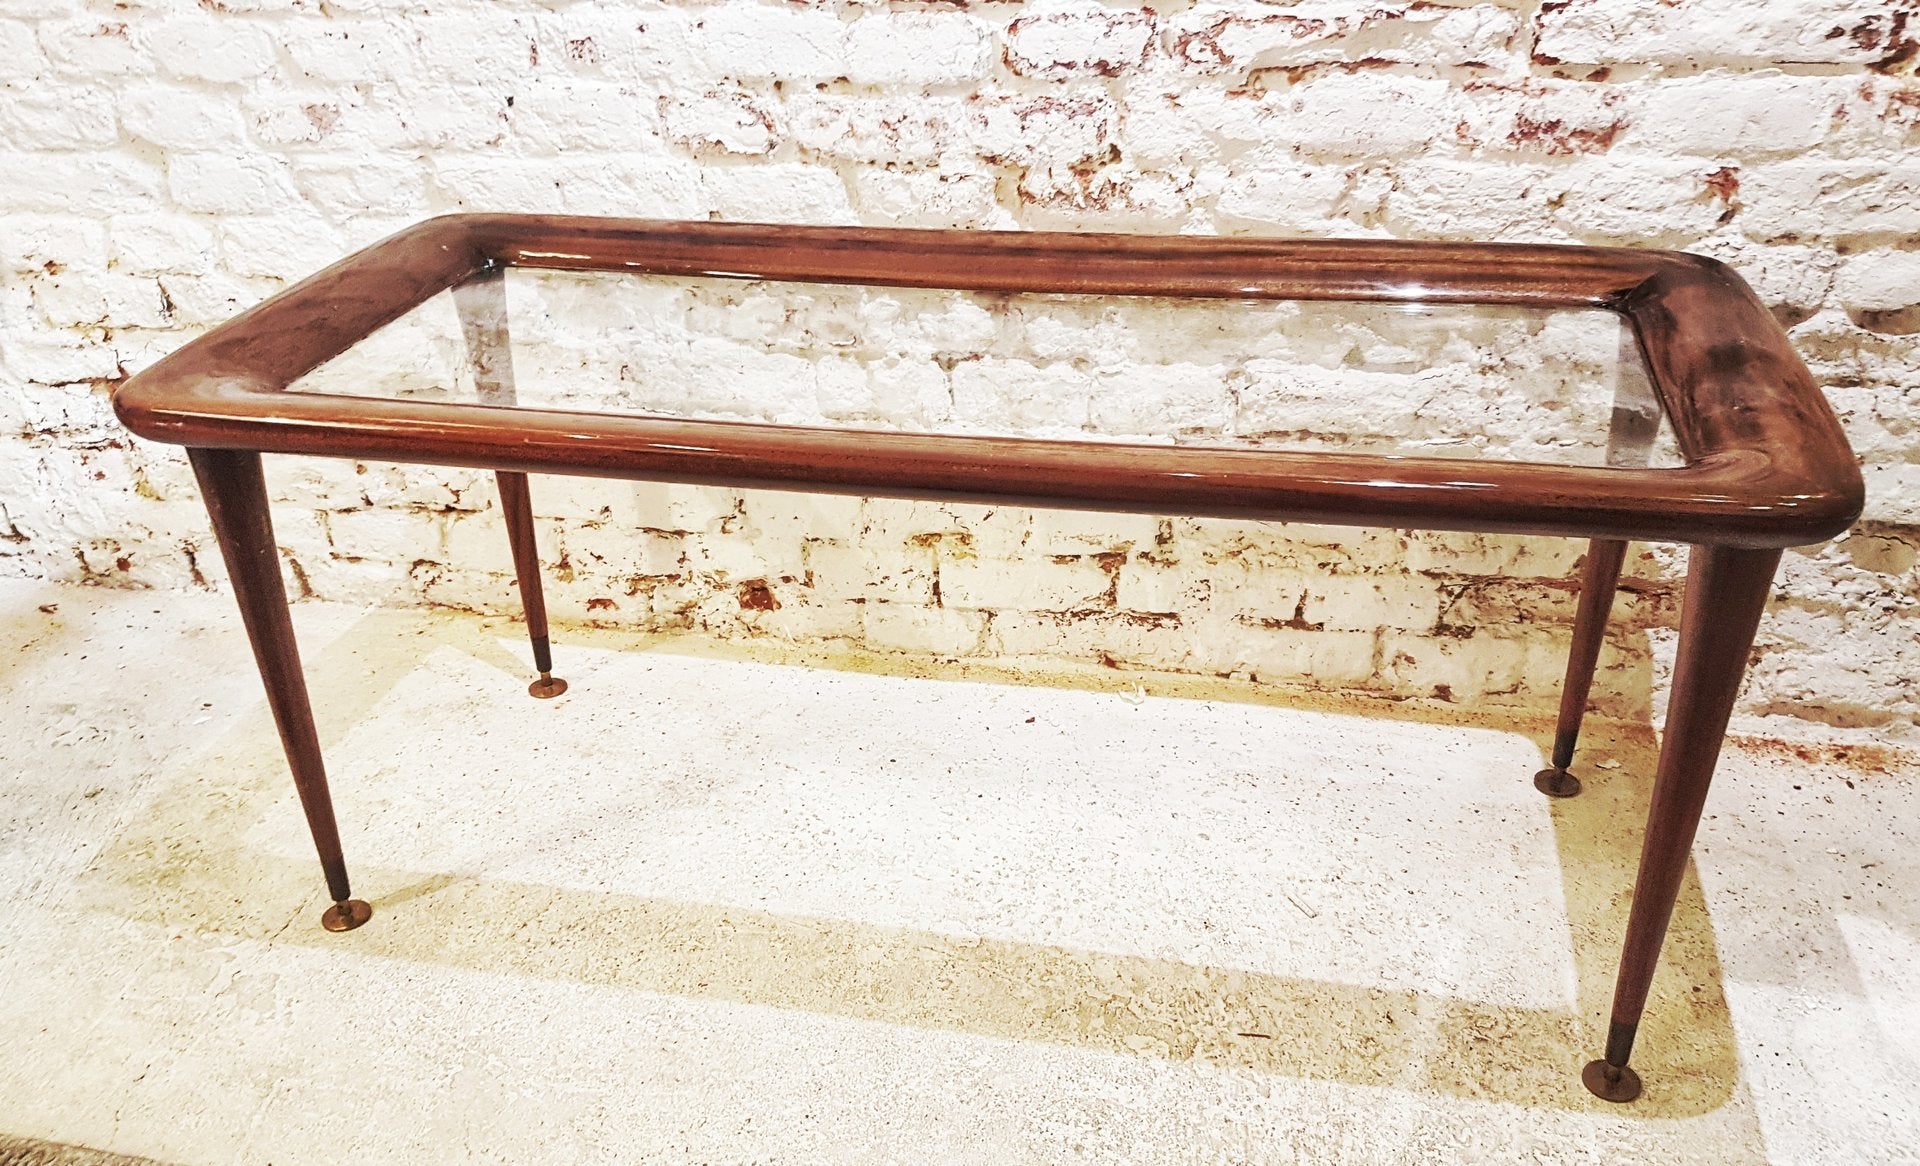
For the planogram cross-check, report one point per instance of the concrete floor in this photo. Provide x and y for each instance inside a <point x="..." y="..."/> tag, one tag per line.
<point x="711" y="906"/>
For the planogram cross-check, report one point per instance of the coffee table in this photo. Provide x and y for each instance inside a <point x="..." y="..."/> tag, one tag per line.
<point x="1761" y="461"/>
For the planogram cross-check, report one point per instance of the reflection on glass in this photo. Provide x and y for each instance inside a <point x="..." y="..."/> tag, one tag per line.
<point x="1400" y="378"/>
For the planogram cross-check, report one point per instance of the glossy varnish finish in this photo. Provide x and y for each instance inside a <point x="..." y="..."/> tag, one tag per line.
<point x="1766" y="464"/>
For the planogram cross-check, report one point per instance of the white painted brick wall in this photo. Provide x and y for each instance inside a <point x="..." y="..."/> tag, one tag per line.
<point x="166" y="163"/>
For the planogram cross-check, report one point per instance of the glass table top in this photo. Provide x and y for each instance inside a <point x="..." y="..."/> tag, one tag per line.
<point x="1561" y="386"/>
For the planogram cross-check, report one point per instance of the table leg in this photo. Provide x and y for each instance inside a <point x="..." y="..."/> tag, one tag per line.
<point x="482" y="306"/>
<point x="1727" y="590"/>
<point x="518" y="506"/>
<point x="1597" y="584"/>
<point x="1634" y="425"/>
<point x="236" y="497"/>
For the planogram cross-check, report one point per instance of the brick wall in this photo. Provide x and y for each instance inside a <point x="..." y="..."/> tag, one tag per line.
<point x="163" y="165"/>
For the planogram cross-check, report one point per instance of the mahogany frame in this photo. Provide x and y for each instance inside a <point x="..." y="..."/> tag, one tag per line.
<point x="1766" y="463"/>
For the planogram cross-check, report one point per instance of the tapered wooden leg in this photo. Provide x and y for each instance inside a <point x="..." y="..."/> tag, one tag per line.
<point x="482" y="305"/>
<point x="526" y="568"/>
<point x="1727" y="590"/>
<point x="1597" y="584"/>
<point x="236" y="496"/>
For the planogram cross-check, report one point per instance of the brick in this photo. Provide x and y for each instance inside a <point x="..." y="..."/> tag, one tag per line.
<point x="1043" y="585"/>
<point x="1542" y="116"/>
<point x="1288" y="397"/>
<point x="1119" y="195"/>
<point x="1088" y="532"/>
<point x="348" y="52"/>
<point x="203" y="299"/>
<point x="456" y="47"/>
<point x="938" y="631"/>
<point x="862" y="573"/>
<point x="279" y="117"/>
<point x="1288" y="656"/>
<point x="1008" y="395"/>
<point x="931" y="198"/>
<point x="357" y="189"/>
<point x="731" y="121"/>
<point x="1648" y="201"/>
<point x="1160" y="401"/>
<point x="1445" y="198"/>
<point x="20" y="48"/>
<point x="1041" y="130"/>
<point x="1215" y="39"/>
<point x="289" y="247"/>
<point x="1747" y="113"/>
<point x="1839" y="199"/>
<point x="715" y="377"/>
<point x="1189" y="127"/>
<point x="779" y="193"/>
<point x="387" y="536"/>
<point x="57" y="362"/>
<point x="917" y="48"/>
<point x="103" y="183"/>
<point x="878" y="129"/>
<point x="889" y="393"/>
<point x="728" y="560"/>
<point x="41" y="243"/>
<point x="1780" y="32"/>
<point x="562" y="116"/>
<point x="93" y="48"/>
<point x="88" y="298"/>
<point x="478" y="542"/>
<point x="608" y="184"/>
<point x="617" y="42"/>
<point x="665" y="506"/>
<point x="446" y="118"/>
<point x="69" y="121"/>
<point x="1482" y="667"/>
<point x="1364" y="115"/>
<point x="227" y="183"/>
<point x="1112" y="639"/>
<point x="1152" y="586"/>
<point x="801" y="516"/>
<point x="1272" y="188"/>
<point x="221" y="50"/>
<point x="1222" y="39"/>
<point x="1095" y="42"/>
<point x="750" y="40"/>
<point x="1879" y="280"/>
<point x="1316" y="599"/>
<point x="896" y="523"/>
<point x="1452" y="553"/>
<point x="179" y="118"/>
<point x="76" y="413"/>
<point x="317" y="483"/>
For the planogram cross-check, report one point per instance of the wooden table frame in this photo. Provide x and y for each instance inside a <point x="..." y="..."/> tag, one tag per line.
<point x="1766" y="464"/>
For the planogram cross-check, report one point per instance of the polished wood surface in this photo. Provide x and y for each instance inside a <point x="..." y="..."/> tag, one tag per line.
<point x="235" y="490"/>
<point x="1727" y="590"/>
<point x="1767" y="464"/>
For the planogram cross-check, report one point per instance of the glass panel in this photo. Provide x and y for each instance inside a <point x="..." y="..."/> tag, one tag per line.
<point x="1519" y="384"/>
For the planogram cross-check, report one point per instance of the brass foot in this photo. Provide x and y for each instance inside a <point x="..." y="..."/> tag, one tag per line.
<point x="345" y="915"/>
<point x="547" y="687"/>
<point x="1610" y="1082"/>
<point x="1556" y="783"/>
